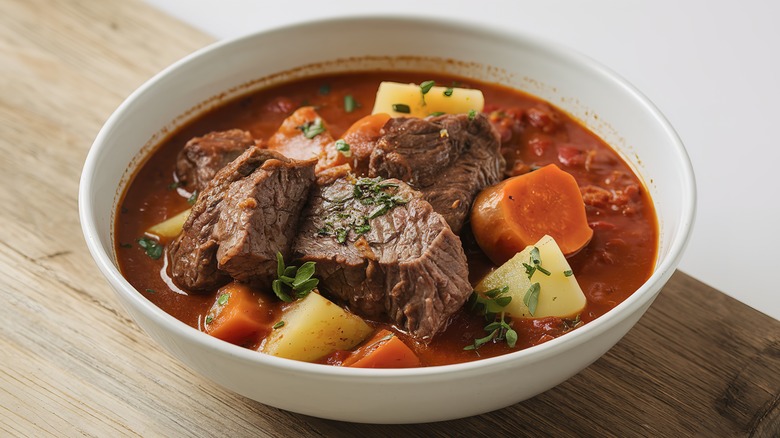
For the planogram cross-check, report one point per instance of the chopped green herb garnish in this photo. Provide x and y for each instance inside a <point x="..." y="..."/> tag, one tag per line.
<point x="536" y="259"/>
<point x="349" y="103"/>
<point x="312" y="129"/>
<point x="543" y="271"/>
<point x="343" y="147"/>
<point x="529" y="270"/>
<point x="437" y="114"/>
<point x="401" y="108"/>
<point x="341" y="235"/>
<point x="325" y="89"/>
<point x="193" y="197"/>
<point x="209" y="318"/>
<point x="448" y="92"/>
<point x="426" y="86"/>
<point x="152" y="248"/>
<point x="151" y="291"/>
<point x="367" y="191"/>
<point x="492" y="304"/>
<point x="223" y="299"/>
<point x="279" y="324"/>
<point x="568" y="273"/>
<point x="362" y="229"/>
<point x="293" y="282"/>
<point x="531" y="298"/>
<point x="472" y="114"/>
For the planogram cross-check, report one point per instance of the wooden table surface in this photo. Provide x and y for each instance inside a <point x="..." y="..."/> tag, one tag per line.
<point x="73" y="363"/>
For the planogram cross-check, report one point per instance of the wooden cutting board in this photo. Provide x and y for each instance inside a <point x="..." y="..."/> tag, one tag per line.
<point x="73" y="363"/>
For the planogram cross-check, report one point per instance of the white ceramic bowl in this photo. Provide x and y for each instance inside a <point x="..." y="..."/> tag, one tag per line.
<point x="593" y="94"/>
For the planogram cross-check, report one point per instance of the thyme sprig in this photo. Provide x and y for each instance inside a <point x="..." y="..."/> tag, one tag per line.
<point x="492" y="304"/>
<point x="293" y="282"/>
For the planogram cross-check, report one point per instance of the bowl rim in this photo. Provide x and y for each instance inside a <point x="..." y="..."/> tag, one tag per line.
<point x="641" y="297"/>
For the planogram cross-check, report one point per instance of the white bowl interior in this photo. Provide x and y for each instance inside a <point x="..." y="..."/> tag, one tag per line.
<point x="601" y="100"/>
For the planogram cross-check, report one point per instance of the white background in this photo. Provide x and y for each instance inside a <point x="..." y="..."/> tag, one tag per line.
<point x="712" y="67"/>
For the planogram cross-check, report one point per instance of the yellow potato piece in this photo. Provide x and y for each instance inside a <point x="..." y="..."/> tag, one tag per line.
<point x="559" y="295"/>
<point x="461" y="100"/>
<point x="314" y="327"/>
<point x="170" y="227"/>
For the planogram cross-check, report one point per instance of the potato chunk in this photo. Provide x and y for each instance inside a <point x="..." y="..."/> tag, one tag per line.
<point x="558" y="293"/>
<point x="171" y="227"/>
<point x="394" y="99"/>
<point x="314" y="327"/>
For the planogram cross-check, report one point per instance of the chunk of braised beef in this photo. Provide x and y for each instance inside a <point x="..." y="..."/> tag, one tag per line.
<point x="246" y="213"/>
<point x="202" y="157"/>
<point x="381" y="248"/>
<point x="448" y="158"/>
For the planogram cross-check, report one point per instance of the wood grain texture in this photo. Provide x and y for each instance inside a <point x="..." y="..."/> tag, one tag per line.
<point x="698" y="364"/>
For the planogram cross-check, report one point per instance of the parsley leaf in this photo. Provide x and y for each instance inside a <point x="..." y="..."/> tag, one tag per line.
<point x="312" y="129"/>
<point x="152" y="248"/>
<point x="343" y="147"/>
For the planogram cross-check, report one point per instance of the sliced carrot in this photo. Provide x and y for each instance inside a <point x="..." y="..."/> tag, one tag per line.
<point x="302" y="136"/>
<point x="519" y="211"/>
<point x="238" y="316"/>
<point x="362" y="137"/>
<point x="383" y="350"/>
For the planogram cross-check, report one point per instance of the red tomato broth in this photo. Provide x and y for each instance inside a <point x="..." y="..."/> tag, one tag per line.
<point x="619" y="258"/>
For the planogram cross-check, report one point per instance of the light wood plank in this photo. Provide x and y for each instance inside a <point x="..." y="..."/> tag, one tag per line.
<point x="73" y="363"/>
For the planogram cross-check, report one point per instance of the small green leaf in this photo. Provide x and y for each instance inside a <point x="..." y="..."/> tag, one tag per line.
<point x="349" y="103"/>
<point x="503" y="301"/>
<point x="531" y="298"/>
<point x="536" y="259"/>
<point x="437" y="114"/>
<point x="279" y="324"/>
<point x="511" y="338"/>
<point x="289" y="271"/>
<point x="472" y="114"/>
<point x="279" y="264"/>
<point x="343" y="147"/>
<point x="401" y="108"/>
<point x="223" y="299"/>
<point x="341" y="235"/>
<point x="278" y="289"/>
<point x="426" y="86"/>
<point x="152" y="248"/>
<point x="209" y="319"/>
<point x="193" y="197"/>
<point x="307" y="286"/>
<point x="495" y="292"/>
<point x="150" y="291"/>
<point x="448" y="92"/>
<point x="568" y="273"/>
<point x="304" y="273"/>
<point x="543" y="271"/>
<point x="492" y="326"/>
<point x="312" y="129"/>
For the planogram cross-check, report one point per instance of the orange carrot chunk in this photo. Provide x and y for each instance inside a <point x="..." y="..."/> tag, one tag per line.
<point x="238" y="316"/>
<point x="519" y="211"/>
<point x="383" y="350"/>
